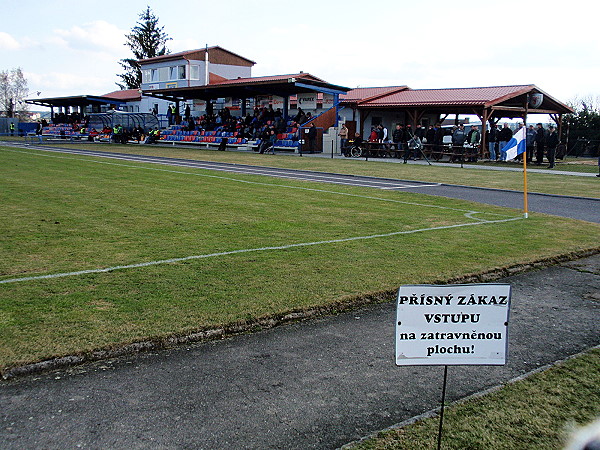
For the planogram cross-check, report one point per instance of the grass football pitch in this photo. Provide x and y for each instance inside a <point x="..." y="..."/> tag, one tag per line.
<point x="97" y="253"/>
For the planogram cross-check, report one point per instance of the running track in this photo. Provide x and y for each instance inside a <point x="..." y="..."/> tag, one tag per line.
<point x="581" y="208"/>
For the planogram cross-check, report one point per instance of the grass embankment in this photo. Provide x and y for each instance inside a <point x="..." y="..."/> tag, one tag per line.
<point x="64" y="213"/>
<point x="447" y="173"/>
<point x="535" y="413"/>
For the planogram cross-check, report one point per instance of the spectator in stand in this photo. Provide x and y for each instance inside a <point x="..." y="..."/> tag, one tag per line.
<point x="380" y="133"/>
<point x="92" y="135"/>
<point x="504" y="135"/>
<point x="473" y="139"/>
<point x="264" y="139"/>
<point x="39" y="129"/>
<point x="116" y="133"/>
<point x="429" y="137"/>
<point x="312" y="138"/>
<point x="530" y="142"/>
<point x="270" y="114"/>
<point x="357" y="140"/>
<point x="300" y="117"/>
<point x="187" y="113"/>
<point x="408" y="136"/>
<point x="343" y="134"/>
<point x="170" y="114"/>
<point x="492" y="139"/>
<point x="398" y="138"/>
<point x="374" y="135"/>
<point x="272" y="141"/>
<point x="459" y="137"/>
<point x="540" y="141"/>
<point x="420" y="132"/>
<point x="551" y="144"/>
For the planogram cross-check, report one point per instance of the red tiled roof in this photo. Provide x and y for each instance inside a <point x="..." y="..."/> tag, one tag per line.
<point x="194" y="54"/>
<point x="363" y="94"/>
<point x="482" y="96"/>
<point x="124" y="94"/>
<point x="213" y="78"/>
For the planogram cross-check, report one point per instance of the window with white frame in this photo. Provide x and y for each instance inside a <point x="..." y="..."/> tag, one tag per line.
<point x="177" y="73"/>
<point x="194" y="72"/>
<point x="163" y="74"/>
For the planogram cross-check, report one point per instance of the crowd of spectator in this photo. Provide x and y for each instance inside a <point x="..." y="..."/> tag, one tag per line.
<point x="260" y="124"/>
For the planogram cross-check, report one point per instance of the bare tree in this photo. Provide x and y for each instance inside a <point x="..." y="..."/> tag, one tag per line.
<point x="13" y="91"/>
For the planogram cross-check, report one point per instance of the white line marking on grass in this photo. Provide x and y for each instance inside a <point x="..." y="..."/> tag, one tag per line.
<point x="249" y="250"/>
<point x="137" y="167"/>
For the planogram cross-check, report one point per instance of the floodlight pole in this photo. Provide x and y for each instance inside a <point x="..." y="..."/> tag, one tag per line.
<point x="439" y="444"/>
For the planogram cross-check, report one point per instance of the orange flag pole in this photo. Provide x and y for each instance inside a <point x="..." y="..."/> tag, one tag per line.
<point x="526" y="215"/>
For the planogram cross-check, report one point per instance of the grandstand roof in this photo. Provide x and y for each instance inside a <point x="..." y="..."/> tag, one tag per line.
<point x="453" y="100"/>
<point x="485" y="96"/>
<point x="282" y="85"/>
<point x="76" y="100"/>
<point x="216" y="55"/>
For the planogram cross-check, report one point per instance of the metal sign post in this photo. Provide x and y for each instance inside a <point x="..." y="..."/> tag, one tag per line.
<point x="439" y="443"/>
<point x="465" y="324"/>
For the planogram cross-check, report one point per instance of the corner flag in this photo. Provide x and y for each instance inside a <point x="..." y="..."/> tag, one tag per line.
<point x="516" y="145"/>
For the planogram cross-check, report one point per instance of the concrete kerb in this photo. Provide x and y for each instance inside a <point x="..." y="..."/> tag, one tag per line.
<point x="436" y="411"/>
<point x="203" y="335"/>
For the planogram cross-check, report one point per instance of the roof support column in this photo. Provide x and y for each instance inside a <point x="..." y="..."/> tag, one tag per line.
<point x="363" y="117"/>
<point x="484" y="119"/>
<point x="286" y="107"/>
<point x="336" y="103"/>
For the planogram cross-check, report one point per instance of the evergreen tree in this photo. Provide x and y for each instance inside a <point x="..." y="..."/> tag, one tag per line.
<point x="146" y="40"/>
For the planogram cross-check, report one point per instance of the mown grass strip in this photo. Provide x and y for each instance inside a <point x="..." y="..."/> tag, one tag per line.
<point x="451" y="174"/>
<point x="538" y="412"/>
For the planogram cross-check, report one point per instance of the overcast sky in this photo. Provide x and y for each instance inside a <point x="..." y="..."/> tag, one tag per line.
<point x="73" y="47"/>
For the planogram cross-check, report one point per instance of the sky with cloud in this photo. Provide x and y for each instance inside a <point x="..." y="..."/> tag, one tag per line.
<point x="72" y="48"/>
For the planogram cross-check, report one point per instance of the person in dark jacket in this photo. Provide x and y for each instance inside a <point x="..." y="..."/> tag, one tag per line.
<point x="530" y="140"/>
<point x="551" y="144"/>
<point x="398" y="138"/>
<point x="540" y="141"/>
<point x="312" y="138"/>
<point x="504" y="135"/>
<point x="430" y="137"/>
<point x="492" y="139"/>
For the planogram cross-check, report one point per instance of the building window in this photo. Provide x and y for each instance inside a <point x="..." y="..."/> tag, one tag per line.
<point x="194" y="72"/>
<point x="177" y="73"/>
<point x="163" y="73"/>
<point x="146" y="76"/>
<point x="154" y="74"/>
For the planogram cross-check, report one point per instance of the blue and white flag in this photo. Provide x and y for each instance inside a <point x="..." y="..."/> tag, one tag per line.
<point x="515" y="146"/>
